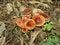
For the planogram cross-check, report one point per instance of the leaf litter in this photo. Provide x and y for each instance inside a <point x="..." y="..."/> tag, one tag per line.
<point x="11" y="34"/>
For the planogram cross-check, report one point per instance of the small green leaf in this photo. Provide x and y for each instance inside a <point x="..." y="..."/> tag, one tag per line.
<point x="49" y="43"/>
<point x="48" y="27"/>
<point x="42" y="43"/>
<point x="55" y="39"/>
<point x="49" y="39"/>
<point x="46" y="43"/>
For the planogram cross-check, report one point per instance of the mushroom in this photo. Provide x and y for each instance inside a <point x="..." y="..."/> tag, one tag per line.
<point x="30" y="24"/>
<point x="19" y="22"/>
<point x="27" y="11"/>
<point x="39" y="19"/>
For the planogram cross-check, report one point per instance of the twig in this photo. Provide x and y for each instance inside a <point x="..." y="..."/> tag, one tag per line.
<point x="15" y="9"/>
<point x="33" y="37"/>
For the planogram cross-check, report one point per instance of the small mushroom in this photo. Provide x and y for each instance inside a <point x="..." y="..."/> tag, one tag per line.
<point x="45" y="15"/>
<point x="39" y="19"/>
<point x="19" y="22"/>
<point x="27" y="11"/>
<point x="30" y="24"/>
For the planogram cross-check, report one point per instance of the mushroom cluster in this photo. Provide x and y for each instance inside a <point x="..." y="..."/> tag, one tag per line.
<point x="27" y="23"/>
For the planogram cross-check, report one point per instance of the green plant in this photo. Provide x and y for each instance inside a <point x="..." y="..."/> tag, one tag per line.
<point x="48" y="43"/>
<point x="45" y="42"/>
<point x="53" y="39"/>
<point x="42" y="43"/>
<point x="48" y="26"/>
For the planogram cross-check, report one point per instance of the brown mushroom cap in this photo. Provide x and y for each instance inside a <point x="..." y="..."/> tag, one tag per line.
<point x="45" y="15"/>
<point x="27" y="11"/>
<point x="19" y="22"/>
<point x="39" y="19"/>
<point x="30" y="24"/>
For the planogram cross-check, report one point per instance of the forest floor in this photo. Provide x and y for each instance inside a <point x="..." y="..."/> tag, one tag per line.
<point x="29" y="22"/>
